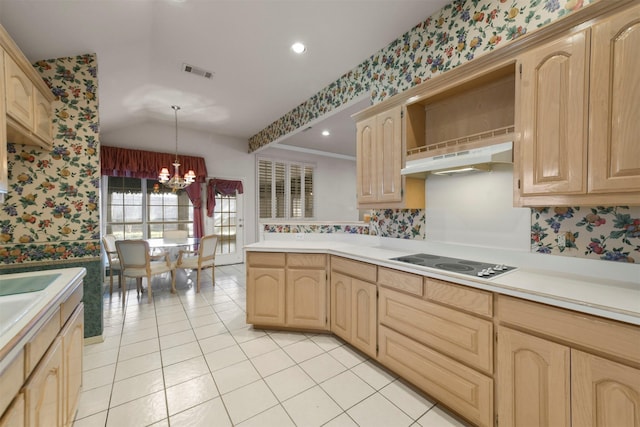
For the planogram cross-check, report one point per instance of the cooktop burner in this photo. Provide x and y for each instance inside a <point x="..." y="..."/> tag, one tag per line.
<point x="472" y="268"/>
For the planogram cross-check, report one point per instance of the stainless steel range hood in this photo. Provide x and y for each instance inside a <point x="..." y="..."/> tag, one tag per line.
<point x="476" y="159"/>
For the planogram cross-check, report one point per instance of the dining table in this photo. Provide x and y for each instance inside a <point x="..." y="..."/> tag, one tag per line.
<point x="172" y="246"/>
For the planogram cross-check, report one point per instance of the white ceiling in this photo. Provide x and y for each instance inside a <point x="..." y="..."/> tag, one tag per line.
<point x="142" y="44"/>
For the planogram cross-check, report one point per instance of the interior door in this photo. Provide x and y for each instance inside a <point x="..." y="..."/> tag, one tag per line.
<point x="227" y="223"/>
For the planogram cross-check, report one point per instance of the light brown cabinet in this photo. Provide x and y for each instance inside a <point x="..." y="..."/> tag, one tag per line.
<point x="578" y="116"/>
<point x="72" y="343"/>
<point x="14" y="415"/>
<point x="27" y="99"/>
<point x="379" y="160"/>
<point x="563" y="368"/>
<point x="44" y="391"/>
<point x="353" y="304"/>
<point x="287" y="290"/>
<point x="445" y="352"/>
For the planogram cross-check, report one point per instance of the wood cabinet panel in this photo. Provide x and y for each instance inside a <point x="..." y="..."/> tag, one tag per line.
<point x="72" y="347"/>
<point x="389" y="159"/>
<point x="534" y="383"/>
<point x="19" y="94"/>
<point x="366" y="166"/>
<point x="364" y="317"/>
<point x="44" y="391"/>
<point x="357" y="269"/>
<point x="462" y="389"/>
<point x="11" y="380"/>
<point x="604" y="393"/>
<point x="605" y="336"/>
<point x="461" y="336"/>
<point x="341" y="305"/>
<point x="42" y="123"/>
<point x="39" y="344"/>
<point x="614" y="152"/>
<point x="15" y="415"/>
<point x="266" y="295"/>
<point x="306" y="300"/>
<point x="464" y="298"/>
<point x="307" y="260"/>
<point x="266" y="259"/>
<point x="401" y="281"/>
<point x="553" y="116"/>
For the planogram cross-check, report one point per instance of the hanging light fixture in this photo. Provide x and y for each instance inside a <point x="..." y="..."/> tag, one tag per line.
<point x="176" y="182"/>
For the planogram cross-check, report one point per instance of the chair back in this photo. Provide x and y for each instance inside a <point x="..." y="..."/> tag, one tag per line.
<point x="109" y="242"/>
<point x="176" y="235"/>
<point x="133" y="253"/>
<point x="207" y="248"/>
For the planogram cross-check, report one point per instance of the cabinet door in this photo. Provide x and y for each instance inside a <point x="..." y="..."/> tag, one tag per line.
<point x="389" y="160"/>
<point x="44" y="390"/>
<point x="341" y="305"/>
<point x="604" y="393"/>
<point x="552" y="94"/>
<point x="265" y="296"/>
<point x="306" y="298"/>
<point x="19" y="94"/>
<point x="364" y="317"/>
<point x="42" y="126"/>
<point x="614" y="151"/>
<point x="366" y="161"/>
<point x="533" y="381"/>
<point x="72" y="345"/>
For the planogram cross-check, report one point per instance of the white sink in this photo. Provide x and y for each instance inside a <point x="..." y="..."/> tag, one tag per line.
<point x="14" y="307"/>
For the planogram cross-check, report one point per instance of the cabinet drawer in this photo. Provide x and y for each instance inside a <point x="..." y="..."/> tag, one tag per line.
<point x="307" y="260"/>
<point x="357" y="269"/>
<point x="70" y="304"/>
<point x="406" y="282"/>
<point x="11" y="379"/>
<point x="597" y="334"/>
<point x="458" y="335"/>
<point x="265" y="259"/>
<point x="461" y="297"/>
<point x="39" y="344"/>
<point x="462" y="389"/>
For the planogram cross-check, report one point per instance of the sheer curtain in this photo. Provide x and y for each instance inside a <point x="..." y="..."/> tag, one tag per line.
<point x="118" y="161"/>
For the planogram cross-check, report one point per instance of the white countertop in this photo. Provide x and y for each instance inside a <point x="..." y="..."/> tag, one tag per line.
<point x="602" y="288"/>
<point x="29" y="320"/>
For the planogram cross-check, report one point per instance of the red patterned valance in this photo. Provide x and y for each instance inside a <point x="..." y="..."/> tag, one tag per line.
<point x="117" y="161"/>
<point x="220" y="186"/>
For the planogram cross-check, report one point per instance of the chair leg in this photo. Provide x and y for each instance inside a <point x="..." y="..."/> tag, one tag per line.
<point x="150" y="297"/>
<point x="173" y="281"/>
<point x="110" y="281"/>
<point x="213" y="276"/>
<point x="198" y="281"/>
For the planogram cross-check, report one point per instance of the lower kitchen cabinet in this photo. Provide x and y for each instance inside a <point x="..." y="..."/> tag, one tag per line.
<point x="603" y="392"/>
<point x="287" y="290"/>
<point x="353" y="312"/>
<point x="14" y="415"/>
<point x="72" y="344"/>
<point x="548" y="377"/>
<point x="44" y="392"/>
<point x="464" y="390"/>
<point x="353" y="304"/>
<point x="534" y="384"/>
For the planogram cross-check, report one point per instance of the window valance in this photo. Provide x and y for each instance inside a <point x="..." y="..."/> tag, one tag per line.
<point x="221" y="186"/>
<point x="118" y="161"/>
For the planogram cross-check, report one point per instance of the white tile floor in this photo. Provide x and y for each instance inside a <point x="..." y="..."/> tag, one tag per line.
<point x="191" y="360"/>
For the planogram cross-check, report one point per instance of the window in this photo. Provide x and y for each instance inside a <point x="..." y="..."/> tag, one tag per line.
<point x="143" y="208"/>
<point x="285" y="190"/>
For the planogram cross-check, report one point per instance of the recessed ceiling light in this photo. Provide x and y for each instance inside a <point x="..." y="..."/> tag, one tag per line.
<point x="298" y="48"/>
<point x="326" y="133"/>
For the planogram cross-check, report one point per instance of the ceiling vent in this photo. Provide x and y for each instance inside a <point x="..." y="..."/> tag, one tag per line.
<point x="197" y="71"/>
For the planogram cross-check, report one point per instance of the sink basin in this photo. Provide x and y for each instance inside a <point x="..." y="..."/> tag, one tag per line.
<point x="20" y="285"/>
<point x="14" y="307"/>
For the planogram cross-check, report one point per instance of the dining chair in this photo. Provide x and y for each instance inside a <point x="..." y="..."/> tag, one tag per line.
<point x="137" y="262"/>
<point x="204" y="257"/>
<point x="109" y="245"/>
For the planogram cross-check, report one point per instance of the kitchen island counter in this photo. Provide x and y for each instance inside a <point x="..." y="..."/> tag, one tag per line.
<point x="602" y="288"/>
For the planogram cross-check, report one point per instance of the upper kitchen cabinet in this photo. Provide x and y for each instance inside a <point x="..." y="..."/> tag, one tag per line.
<point x="379" y="160"/>
<point x="578" y="117"/>
<point x="27" y="99"/>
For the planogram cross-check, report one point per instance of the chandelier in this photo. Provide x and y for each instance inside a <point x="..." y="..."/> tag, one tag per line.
<point x="176" y="182"/>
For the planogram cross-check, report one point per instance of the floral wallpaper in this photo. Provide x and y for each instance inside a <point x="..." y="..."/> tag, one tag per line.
<point x="398" y="223"/>
<point x="316" y="228"/>
<point x="459" y="32"/>
<point x="51" y="211"/>
<point x="606" y="233"/>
